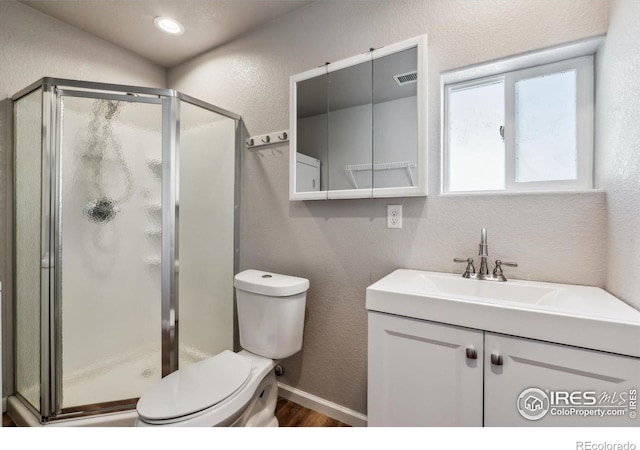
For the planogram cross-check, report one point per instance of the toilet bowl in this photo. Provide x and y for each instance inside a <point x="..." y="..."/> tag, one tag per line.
<point x="236" y="389"/>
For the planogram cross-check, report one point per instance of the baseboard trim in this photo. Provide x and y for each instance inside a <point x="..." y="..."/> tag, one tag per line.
<point x="333" y="410"/>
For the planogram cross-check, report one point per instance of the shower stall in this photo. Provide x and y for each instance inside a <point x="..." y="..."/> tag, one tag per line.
<point x="126" y="211"/>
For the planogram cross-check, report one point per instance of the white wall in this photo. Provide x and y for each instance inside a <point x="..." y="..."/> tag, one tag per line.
<point x="343" y="246"/>
<point x="33" y="45"/>
<point x="618" y="146"/>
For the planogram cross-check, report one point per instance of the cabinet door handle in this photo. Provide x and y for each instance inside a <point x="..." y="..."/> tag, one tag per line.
<point x="471" y="353"/>
<point x="496" y="359"/>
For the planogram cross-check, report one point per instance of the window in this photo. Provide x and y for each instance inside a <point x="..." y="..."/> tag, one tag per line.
<point x="530" y="129"/>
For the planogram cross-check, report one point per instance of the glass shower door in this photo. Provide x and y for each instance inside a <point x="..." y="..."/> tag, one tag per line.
<point x="109" y="247"/>
<point x="31" y="268"/>
<point x="206" y="233"/>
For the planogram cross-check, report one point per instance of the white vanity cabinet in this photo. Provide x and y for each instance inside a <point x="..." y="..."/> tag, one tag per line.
<point x="422" y="373"/>
<point x="584" y="374"/>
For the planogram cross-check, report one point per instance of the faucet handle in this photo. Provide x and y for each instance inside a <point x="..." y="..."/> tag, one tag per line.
<point x="470" y="268"/>
<point x="508" y="264"/>
<point x="463" y="260"/>
<point x="497" y="272"/>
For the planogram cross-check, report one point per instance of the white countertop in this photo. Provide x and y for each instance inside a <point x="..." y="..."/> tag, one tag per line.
<point x="581" y="316"/>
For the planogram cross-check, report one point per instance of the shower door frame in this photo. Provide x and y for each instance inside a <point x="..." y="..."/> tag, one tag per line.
<point x="54" y="90"/>
<point x="168" y="299"/>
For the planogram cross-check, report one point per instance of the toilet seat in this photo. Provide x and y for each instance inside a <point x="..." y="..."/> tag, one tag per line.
<point x="195" y="388"/>
<point x="227" y="411"/>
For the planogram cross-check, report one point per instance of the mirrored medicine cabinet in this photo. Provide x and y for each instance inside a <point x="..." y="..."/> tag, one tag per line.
<point x="358" y="126"/>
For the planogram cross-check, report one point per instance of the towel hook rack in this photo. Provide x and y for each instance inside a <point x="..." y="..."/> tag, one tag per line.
<point x="268" y="139"/>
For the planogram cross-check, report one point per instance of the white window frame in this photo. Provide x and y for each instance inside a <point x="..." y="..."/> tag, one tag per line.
<point x="583" y="67"/>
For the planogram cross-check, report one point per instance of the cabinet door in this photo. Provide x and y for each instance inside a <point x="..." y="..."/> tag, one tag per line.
<point x="420" y="375"/>
<point x="309" y="140"/>
<point x="563" y="385"/>
<point x="350" y="128"/>
<point x="365" y="119"/>
<point x="399" y="120"/>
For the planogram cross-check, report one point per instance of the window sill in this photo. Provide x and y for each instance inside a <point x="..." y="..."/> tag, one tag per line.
<point x="524" y="193"/>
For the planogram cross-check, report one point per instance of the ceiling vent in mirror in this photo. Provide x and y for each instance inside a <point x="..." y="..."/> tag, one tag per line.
<point x="406" y="78"/>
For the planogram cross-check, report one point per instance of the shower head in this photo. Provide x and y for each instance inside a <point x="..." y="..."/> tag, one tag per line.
<point x="101" y="146"/>
<point x="103" y="210"/>
<point x="112" y="109"/>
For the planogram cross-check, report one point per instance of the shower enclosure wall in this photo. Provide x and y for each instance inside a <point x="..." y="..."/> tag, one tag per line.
<point x="126" y="203"/>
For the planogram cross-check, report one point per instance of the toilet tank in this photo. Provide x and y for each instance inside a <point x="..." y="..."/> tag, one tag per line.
<point x="270" y="312"/>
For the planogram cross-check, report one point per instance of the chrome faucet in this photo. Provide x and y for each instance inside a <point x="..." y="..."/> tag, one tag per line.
<point x="483" y="253"/>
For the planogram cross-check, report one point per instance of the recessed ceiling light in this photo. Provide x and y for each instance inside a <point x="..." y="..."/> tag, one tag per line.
<point x="169" y="25"/>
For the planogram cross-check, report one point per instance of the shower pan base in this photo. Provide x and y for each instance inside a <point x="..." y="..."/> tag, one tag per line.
<point x="24" y="417"/>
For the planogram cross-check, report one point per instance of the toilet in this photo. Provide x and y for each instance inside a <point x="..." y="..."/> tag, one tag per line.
<point x="236" y="389"/>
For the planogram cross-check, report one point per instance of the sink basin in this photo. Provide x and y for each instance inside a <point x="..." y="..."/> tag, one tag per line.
<point x="584" y="316"/>
<point x="457" y="287"/>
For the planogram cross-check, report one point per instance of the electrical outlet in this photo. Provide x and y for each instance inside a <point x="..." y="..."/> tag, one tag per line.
<point x="394" y="216"/>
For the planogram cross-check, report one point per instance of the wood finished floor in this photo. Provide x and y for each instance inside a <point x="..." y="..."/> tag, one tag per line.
<point x="6" y="421"/>
<point x="289" y="414"/>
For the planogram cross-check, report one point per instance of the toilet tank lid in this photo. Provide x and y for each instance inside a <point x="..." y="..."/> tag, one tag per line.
<point x="268" y="283"/>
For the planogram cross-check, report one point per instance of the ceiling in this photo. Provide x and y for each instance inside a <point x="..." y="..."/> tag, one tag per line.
<point x="129" y="23"/>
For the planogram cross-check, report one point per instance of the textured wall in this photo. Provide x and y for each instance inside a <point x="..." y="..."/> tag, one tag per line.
<point x="618" y="146"/>
<point x="33" y="45"/>
<point x="342" y="246"/>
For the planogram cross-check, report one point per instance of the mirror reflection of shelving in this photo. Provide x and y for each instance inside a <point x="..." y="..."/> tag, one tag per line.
<point x="408" y="166"/>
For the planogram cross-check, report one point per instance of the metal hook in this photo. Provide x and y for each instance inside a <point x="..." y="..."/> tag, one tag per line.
<point x="267" y="141"/>
<point x="284" y="136"/>
<point x="250" y="142"/>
